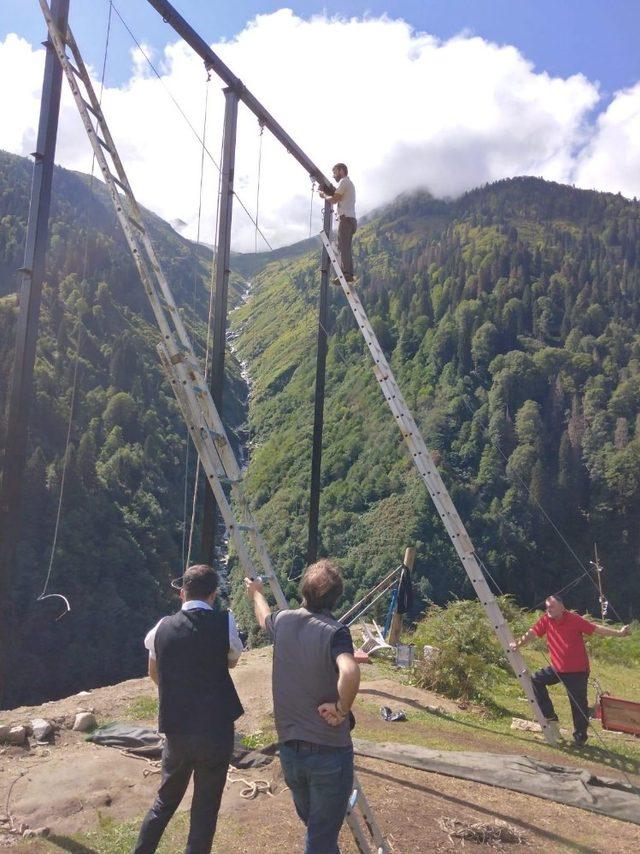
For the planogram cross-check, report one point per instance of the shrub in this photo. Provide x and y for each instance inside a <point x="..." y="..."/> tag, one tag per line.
<point x="471" y="660"/>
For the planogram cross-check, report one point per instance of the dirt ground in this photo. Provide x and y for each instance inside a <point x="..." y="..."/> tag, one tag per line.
<point x="71" y="784"/>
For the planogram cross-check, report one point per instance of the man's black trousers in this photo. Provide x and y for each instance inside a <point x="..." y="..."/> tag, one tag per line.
<point x="208" y="760"/>
<point x="576" y="687"/>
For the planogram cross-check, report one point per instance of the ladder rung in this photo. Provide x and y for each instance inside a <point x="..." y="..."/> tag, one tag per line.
<point x="136" y="224"/>
<point x="91" y="108"/>
<point x="104" y="144"/>
<point x="122" y="186"/>
<point x="74" y="69"/>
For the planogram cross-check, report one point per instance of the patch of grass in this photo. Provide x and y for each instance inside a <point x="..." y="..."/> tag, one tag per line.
<point x="258" y="739"/>
<point x="143" y="709"/>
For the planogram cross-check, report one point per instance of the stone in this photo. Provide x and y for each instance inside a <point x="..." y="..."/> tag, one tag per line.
<point x="429" y="653"/>
<point x="41" y="729"/>
<point x="17" y="735"/>
<point x="525" y="726"/>
<point x="84" y="722"/>
<point x="4" y="732"/>
<point x="33" y="832"/>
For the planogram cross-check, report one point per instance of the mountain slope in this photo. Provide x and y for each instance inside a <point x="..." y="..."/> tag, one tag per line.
<point x="120" y="537"/>
<point x="510" y="318"/>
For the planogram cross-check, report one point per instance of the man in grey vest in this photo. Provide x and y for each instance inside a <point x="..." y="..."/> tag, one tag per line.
<point x="315" y="682"/>
<point x="190" y="654"/>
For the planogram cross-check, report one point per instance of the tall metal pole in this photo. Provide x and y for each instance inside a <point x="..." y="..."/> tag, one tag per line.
<point x="318" y="417"/>
<point x="210" y="515"/>
<point x="30" y="296"/>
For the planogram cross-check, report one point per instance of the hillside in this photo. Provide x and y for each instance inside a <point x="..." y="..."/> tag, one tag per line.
<point x="510" y="318"/>
<point x="120" y="537"/>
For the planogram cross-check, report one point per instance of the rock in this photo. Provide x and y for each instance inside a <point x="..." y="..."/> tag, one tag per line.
<point x="83" y="693"/>
<point x="17" y="735"/>
<point x="4" y="732"/>
<point x="41" y="729"/>
<point x="33" y="832"/>
<point x="429" y="653"/>
<point x="525" y="726"/>
<point x="84" y="722"/>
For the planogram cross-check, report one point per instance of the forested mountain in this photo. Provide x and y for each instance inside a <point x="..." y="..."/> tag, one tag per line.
<point x="120" y="538"/>
<point x="510" y="317"/>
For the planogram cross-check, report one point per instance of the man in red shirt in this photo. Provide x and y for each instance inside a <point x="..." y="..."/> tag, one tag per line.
<point x="569" y="661"/>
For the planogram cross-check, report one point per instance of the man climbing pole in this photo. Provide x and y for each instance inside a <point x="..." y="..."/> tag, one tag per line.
<point x="345" y="199"/>
<point x="315" y="681"/>
<point x="190" y="654"/>
<point x="564" y="631"/>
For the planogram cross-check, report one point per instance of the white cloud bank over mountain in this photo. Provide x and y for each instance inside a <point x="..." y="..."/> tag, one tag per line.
<point x="401" y="108"/>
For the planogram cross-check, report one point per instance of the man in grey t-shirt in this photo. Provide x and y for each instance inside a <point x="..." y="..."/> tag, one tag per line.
<point x="315" y="681"/>
<point x="344" y="197"/>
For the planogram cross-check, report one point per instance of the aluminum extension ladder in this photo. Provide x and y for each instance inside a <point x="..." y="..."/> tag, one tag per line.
<point x="429" y="473"/>
<point x="185" y="375"/>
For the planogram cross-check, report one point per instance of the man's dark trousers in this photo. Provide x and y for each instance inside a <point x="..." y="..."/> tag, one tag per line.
<point x="208" y="760"/>
<point x="346" y="229"/>
<point x="576" y="687"/>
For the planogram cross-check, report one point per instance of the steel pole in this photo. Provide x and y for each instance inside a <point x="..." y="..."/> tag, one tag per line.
<point x="30" y="297"/>
<point x="210" y="514"/>
<point x="318" y="416"/>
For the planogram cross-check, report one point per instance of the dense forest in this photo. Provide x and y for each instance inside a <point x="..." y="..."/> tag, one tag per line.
<point x="510" y="318"/>
<point x="121" y="532"/>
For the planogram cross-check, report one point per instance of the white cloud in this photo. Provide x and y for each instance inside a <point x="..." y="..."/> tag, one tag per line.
<point x="611" y="161"/>
<point x="402" y="108"/>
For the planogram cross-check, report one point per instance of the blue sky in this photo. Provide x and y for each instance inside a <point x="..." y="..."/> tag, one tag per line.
<point x="440" y="95"/>
<point x="596" y="37"/>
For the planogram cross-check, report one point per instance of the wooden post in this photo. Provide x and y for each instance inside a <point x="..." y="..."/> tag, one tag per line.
<point x="396" y="620"/>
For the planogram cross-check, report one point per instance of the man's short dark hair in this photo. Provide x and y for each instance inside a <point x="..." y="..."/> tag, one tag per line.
<point x="342" y="166"/>
<point x="321" y="586"/>
<point x="199" y="581"/>
<point x="555" y="596"/>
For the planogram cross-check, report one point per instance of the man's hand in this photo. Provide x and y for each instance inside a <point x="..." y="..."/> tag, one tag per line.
<point x="513" y="646"/>
<point x="331" y="713"/>
<point x="624" y="631"/>
<point x="253" y="586"/>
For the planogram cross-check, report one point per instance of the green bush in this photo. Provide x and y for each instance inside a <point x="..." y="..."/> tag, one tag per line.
<point x="470" y="661"/>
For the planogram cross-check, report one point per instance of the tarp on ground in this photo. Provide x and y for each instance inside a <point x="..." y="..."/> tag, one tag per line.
<point x="575" y="787"/>
<point x="144" y="741"/>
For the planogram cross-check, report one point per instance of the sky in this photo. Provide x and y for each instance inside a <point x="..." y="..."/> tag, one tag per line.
<point x="440" y="95"/>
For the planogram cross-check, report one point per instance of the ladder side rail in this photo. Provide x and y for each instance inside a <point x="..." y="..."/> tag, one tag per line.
<point x="370" y="821"/>
<point x="214" y="466"/>
<point x="136" y="219"/>
<point x="427" y="469"/>
<point x="132" y="241"/>
<point x="97" y="111"/>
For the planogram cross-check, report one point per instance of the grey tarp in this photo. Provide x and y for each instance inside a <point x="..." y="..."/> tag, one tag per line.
<point x="144" y="741"/>
<point x="565" y="785"/>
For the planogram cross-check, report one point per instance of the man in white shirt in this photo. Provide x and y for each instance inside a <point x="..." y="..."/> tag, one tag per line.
<point x="190" y="654"/>
<point x="345" y="199"/>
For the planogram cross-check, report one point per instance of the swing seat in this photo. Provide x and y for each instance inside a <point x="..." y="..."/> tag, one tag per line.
<point x="620" y="715"/>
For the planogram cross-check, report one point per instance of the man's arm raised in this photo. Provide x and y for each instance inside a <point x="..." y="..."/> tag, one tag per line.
<point x="255" y="592"/>
<point x="605" y="631"/>
<point x="526" y="638"/>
